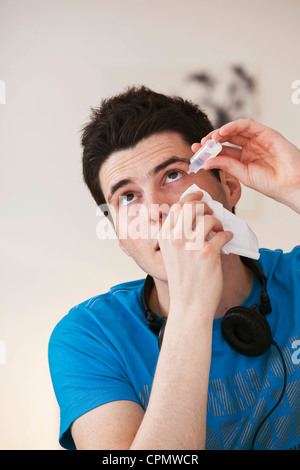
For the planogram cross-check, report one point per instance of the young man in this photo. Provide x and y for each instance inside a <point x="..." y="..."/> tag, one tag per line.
<point x="115" y="388"/>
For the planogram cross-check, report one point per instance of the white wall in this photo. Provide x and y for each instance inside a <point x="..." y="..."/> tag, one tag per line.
<point x="54" y="56"/>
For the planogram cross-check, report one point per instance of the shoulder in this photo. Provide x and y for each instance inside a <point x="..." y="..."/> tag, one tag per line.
<point x="273" y="259"/>
<point x="87" y="356"/>
<point x="277" y="263"/>
<point x="87" y="317"/>
<point x="96" y="327"/>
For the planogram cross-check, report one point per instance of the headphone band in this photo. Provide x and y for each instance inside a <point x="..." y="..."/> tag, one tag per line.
<point x="265" y="304"/>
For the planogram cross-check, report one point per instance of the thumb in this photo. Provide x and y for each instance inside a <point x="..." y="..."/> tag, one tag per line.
<point x="233" y="166"/>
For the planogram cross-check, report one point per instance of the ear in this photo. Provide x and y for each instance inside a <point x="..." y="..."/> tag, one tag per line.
<point x="231" y="186"/>
<point x="123" y="248"/>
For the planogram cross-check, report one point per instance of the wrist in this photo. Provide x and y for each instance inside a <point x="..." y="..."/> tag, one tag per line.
<point x="294" y="202"/>
<point x="291" y="199"/>
<point x="191" y="313"/>
<point x="188" y="335"/>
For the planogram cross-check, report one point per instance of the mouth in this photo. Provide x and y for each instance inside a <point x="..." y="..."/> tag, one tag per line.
<point x="157" y="248"/>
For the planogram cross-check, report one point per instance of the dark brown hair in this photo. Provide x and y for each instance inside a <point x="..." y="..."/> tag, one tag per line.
<point x="124" y="120"/>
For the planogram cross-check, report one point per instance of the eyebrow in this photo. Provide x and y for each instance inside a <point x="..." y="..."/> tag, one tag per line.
<point x="152" y="173"/>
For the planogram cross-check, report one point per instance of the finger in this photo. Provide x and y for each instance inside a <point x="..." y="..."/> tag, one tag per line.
<point x="194" y="196"/>
<point x="196" y="146"/>
<point x="240" y="128"/>
<point x="170" y="221"/>
<point x="244" y="127"/>
<point x="196" y="208"/>
<point x="235" y="140"/>
<point x="232" y="165"/>
<point x="191" y="210"/>
<point x="175" y="214"/>
<point x="239" y="140"/>
<point x="206" y="227"/>
<point x="220" y="239"/>
<point x="189" y="217"/>
<point x="227" y="150"/>
<point x="208" y="136"/>
<point x="211" y="224"/>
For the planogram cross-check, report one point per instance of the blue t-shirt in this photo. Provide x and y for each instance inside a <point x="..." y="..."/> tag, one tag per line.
<point x="103" y="351"/>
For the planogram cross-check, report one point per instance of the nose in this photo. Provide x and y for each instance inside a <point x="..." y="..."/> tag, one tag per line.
<point x="157" y="210"/>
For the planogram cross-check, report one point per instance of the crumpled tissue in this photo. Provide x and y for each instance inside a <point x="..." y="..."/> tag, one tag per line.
<point x="244" y="241"/>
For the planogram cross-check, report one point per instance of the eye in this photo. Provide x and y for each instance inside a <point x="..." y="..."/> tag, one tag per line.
<point x="173" y="175"/>
<point x="126" y="198"/>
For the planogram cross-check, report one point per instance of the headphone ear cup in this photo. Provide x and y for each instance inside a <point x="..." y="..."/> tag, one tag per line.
<point x="246" y="331"/>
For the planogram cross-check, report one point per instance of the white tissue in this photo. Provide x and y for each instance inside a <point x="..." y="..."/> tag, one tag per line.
<point x="244" y="242"/>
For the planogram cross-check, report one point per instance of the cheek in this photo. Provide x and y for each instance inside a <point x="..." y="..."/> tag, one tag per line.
<point x="133" y="223"/>
<point x="138" y="250"/>
<point x="178" y="187"/>
<point x="209" y="183"/>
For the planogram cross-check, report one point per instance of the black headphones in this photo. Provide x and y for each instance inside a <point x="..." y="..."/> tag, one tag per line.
<point x="245" y="329"/>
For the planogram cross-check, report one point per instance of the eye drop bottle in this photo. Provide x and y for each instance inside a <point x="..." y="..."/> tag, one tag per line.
<point x="209" y="150"/>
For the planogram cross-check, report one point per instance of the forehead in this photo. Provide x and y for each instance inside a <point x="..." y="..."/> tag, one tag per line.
<point x="141" y="158"/>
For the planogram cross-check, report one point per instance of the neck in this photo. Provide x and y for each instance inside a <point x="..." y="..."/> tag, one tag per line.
<point x="237" y="285"/>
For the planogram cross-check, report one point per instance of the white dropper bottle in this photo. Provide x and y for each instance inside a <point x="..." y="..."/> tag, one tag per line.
<point x="209" y="150"/>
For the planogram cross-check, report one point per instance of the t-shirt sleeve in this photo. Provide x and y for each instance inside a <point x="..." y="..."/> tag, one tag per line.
<point x="86" y="370"/>
<point x="288" y="270"/>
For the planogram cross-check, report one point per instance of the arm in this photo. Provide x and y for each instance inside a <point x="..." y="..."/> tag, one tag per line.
<point x="265" y="161"/>
<point x="111" y="426"/>
<point x="176" y="414"/>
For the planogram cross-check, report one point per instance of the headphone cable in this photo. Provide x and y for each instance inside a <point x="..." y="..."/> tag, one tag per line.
<point x="279" y="399"/>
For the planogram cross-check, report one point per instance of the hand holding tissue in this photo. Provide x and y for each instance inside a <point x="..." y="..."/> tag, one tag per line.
<point x="244" y="242"/>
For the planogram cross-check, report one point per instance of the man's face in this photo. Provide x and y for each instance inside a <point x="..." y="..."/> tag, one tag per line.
<point x="141" y="184"/>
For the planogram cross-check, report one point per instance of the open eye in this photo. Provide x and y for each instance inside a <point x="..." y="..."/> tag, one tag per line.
<point x="127" y="198"/>
<point x="173" y="175"/>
